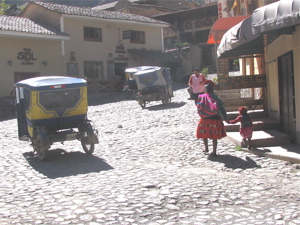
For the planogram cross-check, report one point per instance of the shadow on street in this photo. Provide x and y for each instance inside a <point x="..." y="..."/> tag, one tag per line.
<point x="234" y="162"/>
<point x="179" y="85"/>
<point x="105" y="98"/>
<point x="7" y="116"/>
<point x="60" y="163"/>
<point x="111" y="97"/>
<point x="160" y="106"/>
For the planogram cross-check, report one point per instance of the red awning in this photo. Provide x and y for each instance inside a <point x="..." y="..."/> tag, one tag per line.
<point x="221" y="26"/>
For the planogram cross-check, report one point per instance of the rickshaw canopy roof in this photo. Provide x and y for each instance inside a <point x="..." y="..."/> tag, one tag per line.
<point x="41" y="83"/>
<point x="152" y="76"/>
<point x="149" y="69"/>
<point x="139" y="68"/>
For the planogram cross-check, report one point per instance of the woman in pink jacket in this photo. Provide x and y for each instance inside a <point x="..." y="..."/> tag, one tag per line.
<point x="196" y="82"/>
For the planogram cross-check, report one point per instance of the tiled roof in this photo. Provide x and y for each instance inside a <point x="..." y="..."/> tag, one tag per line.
<point x="21" y="24"/>
<point x="154" y="6"/>
<point x="110" y="5"/>
<point x="105" y="6"/>
<point x="81" y="11"/>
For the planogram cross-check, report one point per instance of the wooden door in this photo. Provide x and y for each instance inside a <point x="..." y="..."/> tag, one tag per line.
<point x="24" y="75"/>
<point x="287" y="95"/>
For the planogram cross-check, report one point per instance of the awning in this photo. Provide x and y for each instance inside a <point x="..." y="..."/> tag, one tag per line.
<point x="278" y="15"/>
<point x="221" y="26"/>
<point x="240" y="40"/>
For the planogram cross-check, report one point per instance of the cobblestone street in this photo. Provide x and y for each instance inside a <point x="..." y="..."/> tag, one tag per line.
<point x="147" y="169"/>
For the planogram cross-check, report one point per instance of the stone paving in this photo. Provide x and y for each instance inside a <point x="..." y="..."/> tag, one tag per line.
<point x="147" y="169"/>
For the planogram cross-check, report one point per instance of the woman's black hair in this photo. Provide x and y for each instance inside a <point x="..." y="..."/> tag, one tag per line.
<point x="209" y="87"/>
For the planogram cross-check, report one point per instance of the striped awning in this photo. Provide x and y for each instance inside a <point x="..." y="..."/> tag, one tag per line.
<point x="278" y="15"/>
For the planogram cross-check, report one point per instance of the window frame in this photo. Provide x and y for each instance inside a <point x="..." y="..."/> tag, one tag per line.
<point x="138" y="37"/>
<point x="92" y="34"/>
<point x="93" y="70"/>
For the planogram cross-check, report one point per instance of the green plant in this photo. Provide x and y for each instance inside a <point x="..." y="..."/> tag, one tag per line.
<point x="204" y="71"/>
<point x="236" y="62"/>
<point x="181" y="44"/>
<point x="3" y="7"/>
<point x="215" y="80"/>
<point x="238" y="148"/>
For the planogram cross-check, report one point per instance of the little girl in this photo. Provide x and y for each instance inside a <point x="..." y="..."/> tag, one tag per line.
<point x="246" y="126"/>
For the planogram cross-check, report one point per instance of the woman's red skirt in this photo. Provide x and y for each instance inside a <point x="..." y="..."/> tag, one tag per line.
<point x="212" y="129"/>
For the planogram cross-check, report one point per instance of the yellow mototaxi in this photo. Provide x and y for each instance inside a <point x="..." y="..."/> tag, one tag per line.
<point x="54" y="109"/>
<point x="154" y="84"/>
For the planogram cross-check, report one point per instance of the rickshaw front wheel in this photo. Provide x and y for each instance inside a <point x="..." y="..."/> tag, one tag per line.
<point x="86" y="134"/>
<point x="128" y="94"/>
<point x="88" y="148"/>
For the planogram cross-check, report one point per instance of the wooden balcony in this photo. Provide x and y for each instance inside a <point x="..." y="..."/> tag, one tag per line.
<point x="199" y="24"/>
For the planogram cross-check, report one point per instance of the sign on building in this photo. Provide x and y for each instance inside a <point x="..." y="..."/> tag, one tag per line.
<point x="127" y="34"/>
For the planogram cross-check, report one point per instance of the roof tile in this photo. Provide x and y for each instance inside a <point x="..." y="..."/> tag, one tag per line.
<point x="81" y="11"/>
<point x="21" y="24"/>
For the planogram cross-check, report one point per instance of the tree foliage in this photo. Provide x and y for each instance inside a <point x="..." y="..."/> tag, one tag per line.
<point x="3" y="7"/>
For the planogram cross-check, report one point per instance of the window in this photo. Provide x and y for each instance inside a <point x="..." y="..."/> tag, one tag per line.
<point x="93" y="70"/>
<point x="52" y="100"/>
<point x="137" y="37"/>
<point x="92" y="34"/>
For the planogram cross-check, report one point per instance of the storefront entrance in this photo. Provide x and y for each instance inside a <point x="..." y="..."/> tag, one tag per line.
<point x="287" y="95"/>
<point x="18" y="76"/>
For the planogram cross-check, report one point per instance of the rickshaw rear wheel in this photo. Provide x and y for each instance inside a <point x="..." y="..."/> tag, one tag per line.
<point x="40" y="145"/>
<point x="166" y="100"/>
<point x="88" y="148"/>
<point x="142" y="103"/>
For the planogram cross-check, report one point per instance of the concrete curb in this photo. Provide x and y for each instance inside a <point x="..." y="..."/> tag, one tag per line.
<point x="286" y="156"/>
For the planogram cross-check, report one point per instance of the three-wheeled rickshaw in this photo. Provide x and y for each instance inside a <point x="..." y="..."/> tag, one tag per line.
<point x="154" y="84"/>
<point x="130" y="86"/>
<point x="54" y="109"/>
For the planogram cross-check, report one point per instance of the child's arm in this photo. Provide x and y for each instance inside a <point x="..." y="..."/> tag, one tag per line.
<point x="236" y="120"/>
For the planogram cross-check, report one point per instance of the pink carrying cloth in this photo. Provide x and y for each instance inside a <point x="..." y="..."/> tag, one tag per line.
<point x="207" y="106"/>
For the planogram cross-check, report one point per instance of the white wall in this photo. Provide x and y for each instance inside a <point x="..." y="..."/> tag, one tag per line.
<point x="111" y="37"/>
<point x="42" y="50"/>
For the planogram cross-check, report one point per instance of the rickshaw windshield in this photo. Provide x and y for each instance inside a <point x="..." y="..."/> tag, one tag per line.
<point x="67" y="98"/>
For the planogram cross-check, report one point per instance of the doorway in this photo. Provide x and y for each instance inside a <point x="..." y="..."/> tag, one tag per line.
<point x="120" y="69"/>
<point x="287" y="95"/>
<point x="18" y="76"/>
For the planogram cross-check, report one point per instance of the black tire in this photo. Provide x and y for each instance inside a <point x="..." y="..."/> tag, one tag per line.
<point x="142" y="103"/>
<point x="167" y="100"/>
<point x="40" y="145"/>
<point x="88" y="148"/>
<point x="128" y="94"/>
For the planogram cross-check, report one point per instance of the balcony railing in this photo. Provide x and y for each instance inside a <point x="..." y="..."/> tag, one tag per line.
<point x="199" y="23"/>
